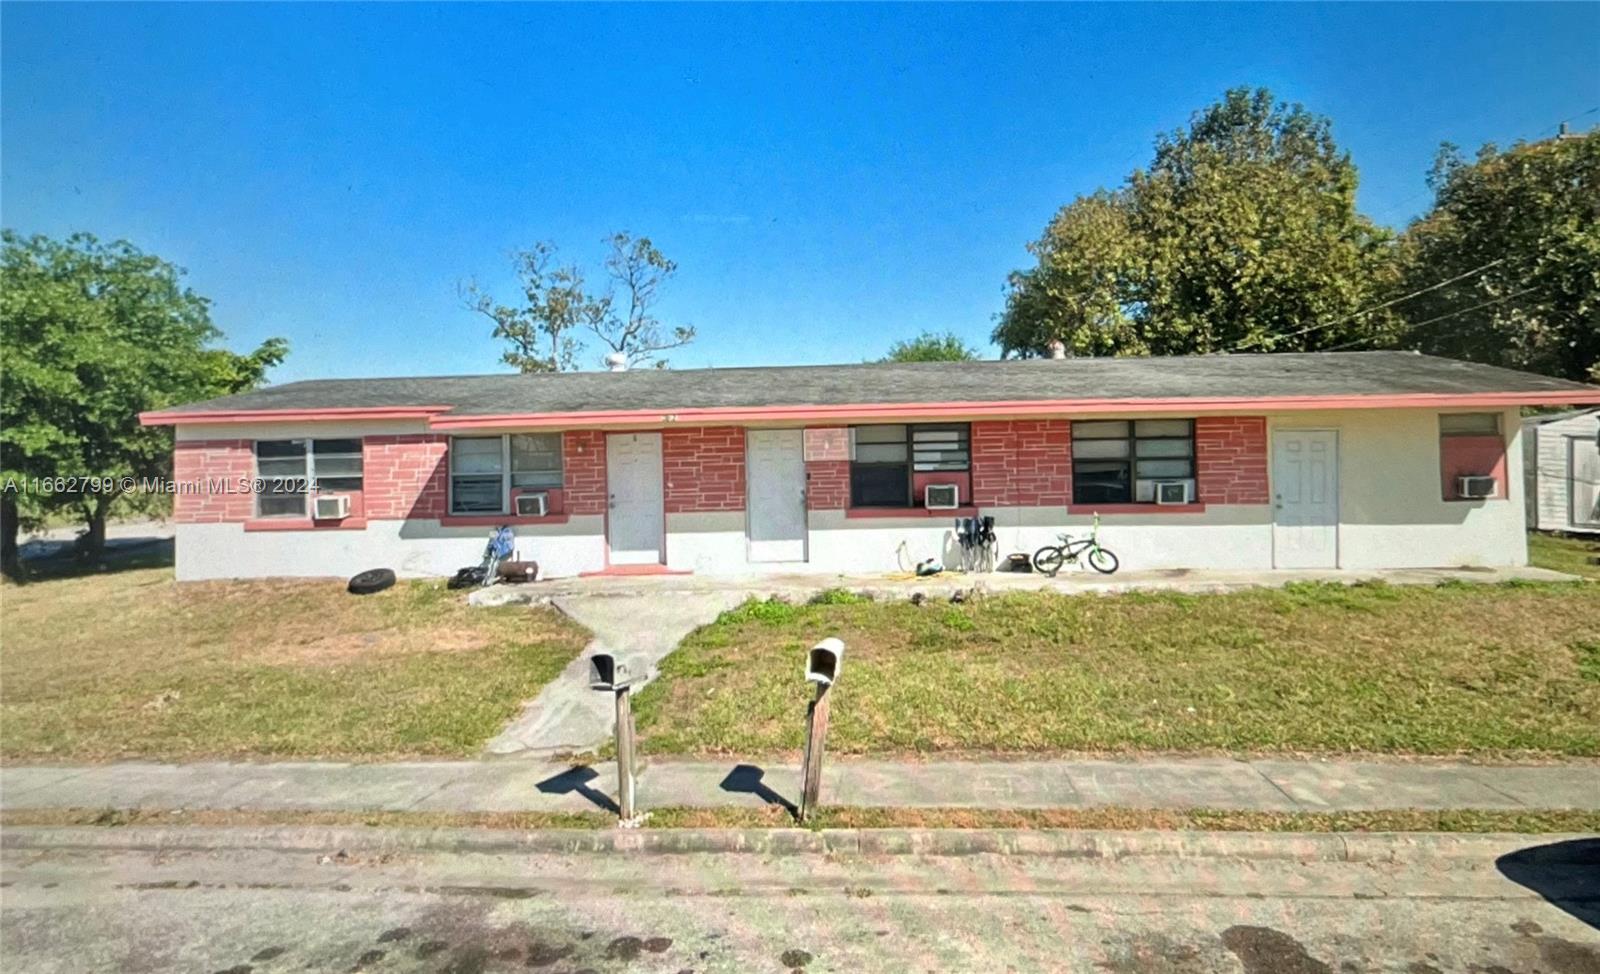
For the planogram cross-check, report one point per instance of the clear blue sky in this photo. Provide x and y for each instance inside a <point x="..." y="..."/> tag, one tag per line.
<point x="828" y="178"/>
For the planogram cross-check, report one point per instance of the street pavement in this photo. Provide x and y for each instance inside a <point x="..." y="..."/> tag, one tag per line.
<point x="263" y="901"/>
<point x="517" y="784"/>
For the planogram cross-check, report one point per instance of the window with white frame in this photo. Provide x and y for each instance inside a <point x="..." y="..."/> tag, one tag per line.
<point x="485" y="471"/>
<point x="291" y="470"/>
<point x="1120" y="461"/>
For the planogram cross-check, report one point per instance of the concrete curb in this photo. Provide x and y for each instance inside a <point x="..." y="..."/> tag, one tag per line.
<point x="1390" y="847"/>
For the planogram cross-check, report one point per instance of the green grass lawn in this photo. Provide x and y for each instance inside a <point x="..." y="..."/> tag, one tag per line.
<point x="133" y="665"/>
<point x="1458" y="669"/>
<point x="1564" y="554"/>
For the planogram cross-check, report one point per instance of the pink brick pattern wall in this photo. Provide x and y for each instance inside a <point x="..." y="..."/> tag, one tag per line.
<point x="1022" y="463"/>
<point x="583" y="460"/>
<point x="703" y="469"/>
<point x="1231" y="453"/>
<point x="213" y="479"/>
<point x="827" y="481"/>
<point x="405" y="476"/>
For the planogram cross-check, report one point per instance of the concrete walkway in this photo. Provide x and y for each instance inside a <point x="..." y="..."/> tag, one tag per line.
<point x="567" y="717"/>
<point x="798" y="586"/>
<point x="532" y="785"/>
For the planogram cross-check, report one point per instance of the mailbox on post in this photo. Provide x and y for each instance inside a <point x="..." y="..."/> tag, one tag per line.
<point x="822" y="663"/>
<point x="822" y="668"/>
<point x="608" y="674"/>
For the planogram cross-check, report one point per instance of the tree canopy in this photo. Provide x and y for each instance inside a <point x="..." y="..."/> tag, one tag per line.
<point x="545" y="333"/>
<point x="932" y="347"/>
<point x="1517" y="232"/>
<point x="91" y="335"/>
<point x="1244" y="223"/>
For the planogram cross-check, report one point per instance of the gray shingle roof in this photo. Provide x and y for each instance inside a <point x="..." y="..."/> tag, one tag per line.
<point x="1197" y="377"/>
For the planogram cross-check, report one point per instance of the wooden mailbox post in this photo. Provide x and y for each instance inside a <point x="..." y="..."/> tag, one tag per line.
<point x="822" y="668"/>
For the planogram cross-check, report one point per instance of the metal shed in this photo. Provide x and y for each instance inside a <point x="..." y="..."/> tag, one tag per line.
<point x="1562" y="470"/>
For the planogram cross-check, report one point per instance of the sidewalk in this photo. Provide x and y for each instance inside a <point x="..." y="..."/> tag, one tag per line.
<point x="514" y="785"/>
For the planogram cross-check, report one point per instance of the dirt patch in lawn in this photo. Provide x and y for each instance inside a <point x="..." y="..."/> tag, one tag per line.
<point x="345" y="647"/>
<point x="135" y="665"/>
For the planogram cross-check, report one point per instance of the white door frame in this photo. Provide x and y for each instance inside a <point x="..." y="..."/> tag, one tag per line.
<point x="749" y="505"/>
<point x="1338" y="494"/>
<point x="661" y="544"/>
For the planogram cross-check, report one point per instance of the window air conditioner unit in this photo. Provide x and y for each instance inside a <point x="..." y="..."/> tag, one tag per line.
<point x="941" y="497"/>
<point x="533" y="505"/>
<point x="1476" y="486"/>
<point x="330" y="507"/>
<point x="1169" y="492"/>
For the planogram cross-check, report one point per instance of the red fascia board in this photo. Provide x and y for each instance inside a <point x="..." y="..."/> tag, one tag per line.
<point x="1052" y="407"/>
<point x="159" y="418"/>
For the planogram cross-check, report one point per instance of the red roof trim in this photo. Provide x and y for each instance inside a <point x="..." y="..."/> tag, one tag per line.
<point x="159" y="418"/>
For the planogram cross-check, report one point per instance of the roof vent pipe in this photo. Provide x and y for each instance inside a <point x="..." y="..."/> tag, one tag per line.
<point x="617" y="362"/>
<point x="1058" y="349"/>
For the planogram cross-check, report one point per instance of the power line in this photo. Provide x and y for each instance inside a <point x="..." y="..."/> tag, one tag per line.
<point x="1421" y="324"/>
<point x="1377" y="307"/>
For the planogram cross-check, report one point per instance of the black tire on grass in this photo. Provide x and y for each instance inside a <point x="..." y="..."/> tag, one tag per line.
<point x="370" y="581"/>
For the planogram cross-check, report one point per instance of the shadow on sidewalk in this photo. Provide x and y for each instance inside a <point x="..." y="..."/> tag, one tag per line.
<point x="1566" y="874"/>
<point x="745" y="779"/>
<point x="576" y="780"/>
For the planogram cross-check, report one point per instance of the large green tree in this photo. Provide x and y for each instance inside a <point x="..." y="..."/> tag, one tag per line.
<point x="932" y="347"/>
<point x="91" y="335"/>
<point x="1517" y="233"/>
<point x="1242" y="235"/>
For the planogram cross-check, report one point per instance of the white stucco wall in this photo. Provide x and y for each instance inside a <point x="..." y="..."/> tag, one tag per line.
<point x="1391" y="508"/>
<point x="1222" y="536"/>
<point x="1392" y="515"/>
<point x="412" y="548"/>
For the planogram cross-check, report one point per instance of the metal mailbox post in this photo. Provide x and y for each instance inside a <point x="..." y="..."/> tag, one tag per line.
<point x="822" y="668"/>
<point x="609" y="674"/>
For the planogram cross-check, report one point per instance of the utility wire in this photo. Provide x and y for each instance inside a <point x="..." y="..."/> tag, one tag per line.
<point x="1422" y="324"/>
<point x="1243" y="343"/>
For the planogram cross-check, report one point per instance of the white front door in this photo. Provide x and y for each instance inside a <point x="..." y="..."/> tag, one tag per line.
<point x="1305" y="490"/>
<point x="635" y="520"/>
<point x="776" y="490"/>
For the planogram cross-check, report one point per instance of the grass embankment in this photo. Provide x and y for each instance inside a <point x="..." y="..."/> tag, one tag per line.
<point x="1564" y="554"/>
<point x="133" y="665"/>
<point x="1458" y="669"/>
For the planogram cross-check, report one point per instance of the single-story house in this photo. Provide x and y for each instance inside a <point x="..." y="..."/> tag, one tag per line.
<point x="1354" y="460"/>
<point x="1561" y="471"/>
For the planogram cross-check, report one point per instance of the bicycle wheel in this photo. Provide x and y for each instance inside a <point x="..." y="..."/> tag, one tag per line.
<point x="1047" y="560"/>
<point x="1102" y="561"/>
